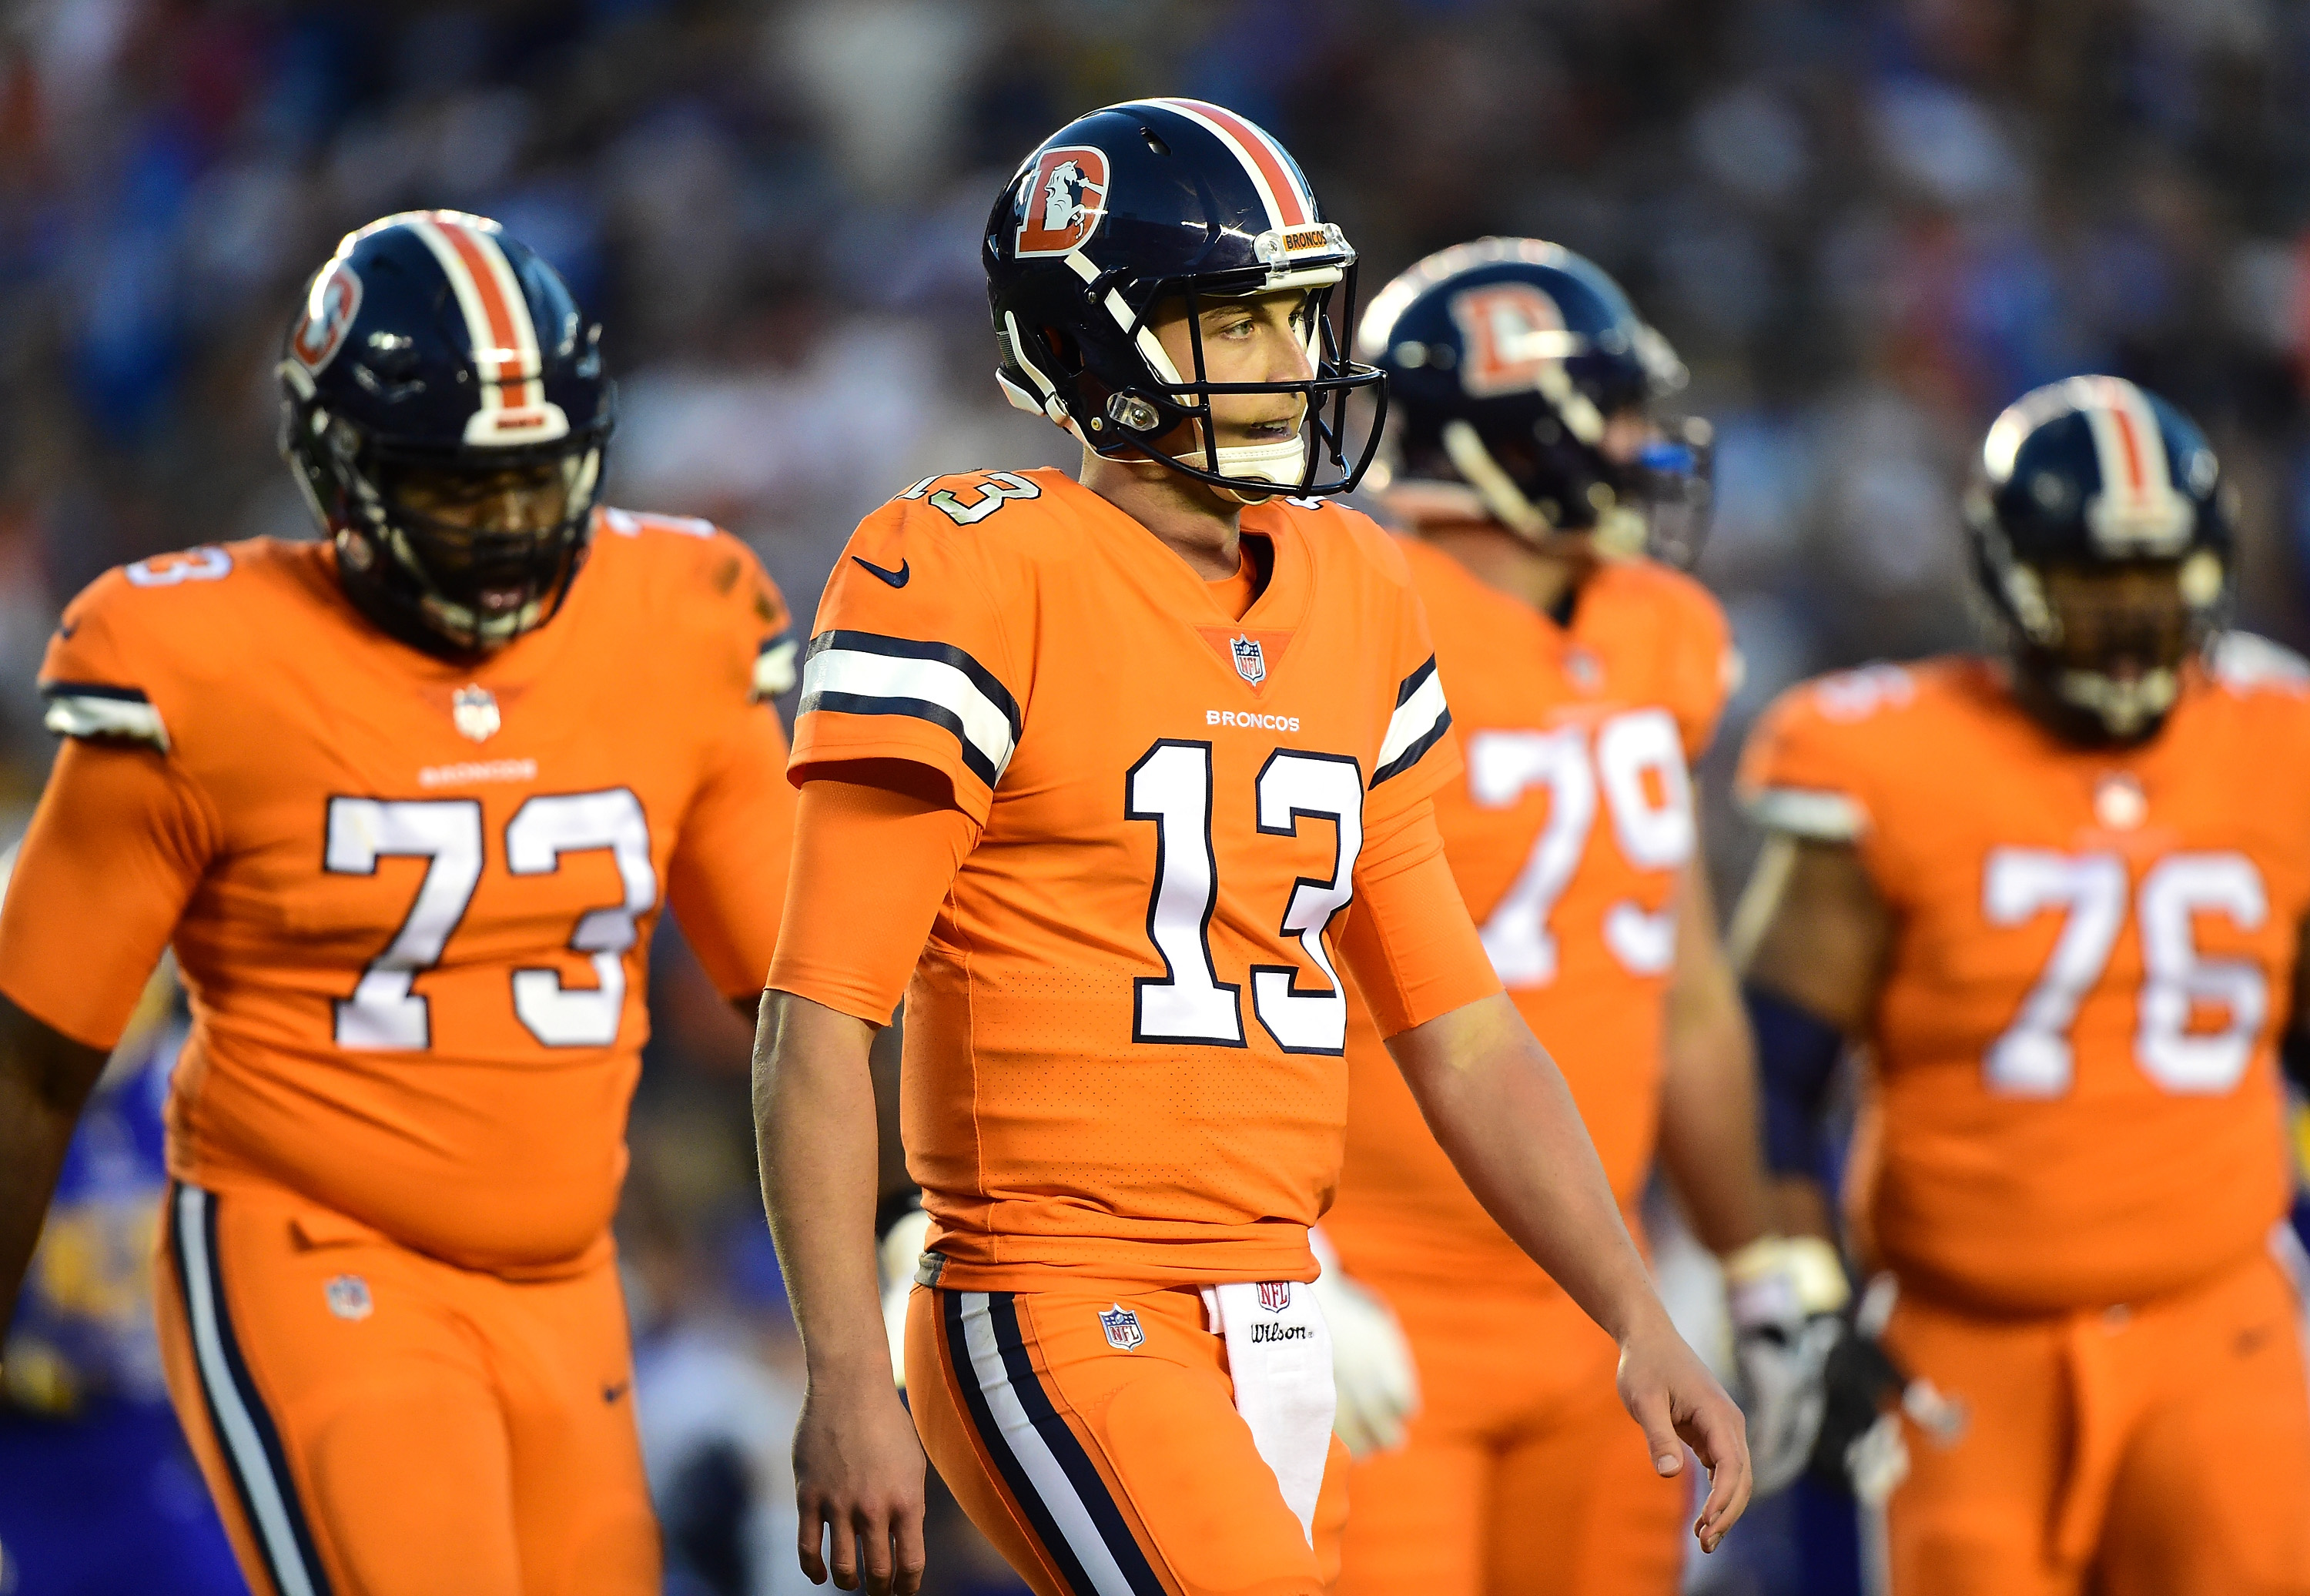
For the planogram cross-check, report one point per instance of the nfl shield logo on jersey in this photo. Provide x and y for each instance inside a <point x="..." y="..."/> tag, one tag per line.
<point x="348" y="1297"/>
<point x="475" y="710"/>
<point x="1122" y="1327"/>
<point x="1250" y="660"/>
<point x="1274" y="1296"/>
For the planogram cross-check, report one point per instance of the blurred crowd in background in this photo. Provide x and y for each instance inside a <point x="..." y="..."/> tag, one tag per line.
<point x="1866" y="224"/>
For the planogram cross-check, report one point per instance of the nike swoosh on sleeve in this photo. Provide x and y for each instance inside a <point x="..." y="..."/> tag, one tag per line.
<point x="897" y="578"/>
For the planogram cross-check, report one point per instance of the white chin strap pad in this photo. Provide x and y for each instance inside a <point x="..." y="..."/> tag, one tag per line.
<point x="1283" y="464"/>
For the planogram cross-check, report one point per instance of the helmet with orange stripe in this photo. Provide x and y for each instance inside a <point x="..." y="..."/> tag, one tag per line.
<point x="1162" y="207"/>
<point x="2101" y="541"/>
<point x="1528" y="392"/>
<point x="445" y="410"/>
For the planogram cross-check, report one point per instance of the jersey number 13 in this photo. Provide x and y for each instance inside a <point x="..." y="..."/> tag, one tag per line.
<point x="1171" y="785"/>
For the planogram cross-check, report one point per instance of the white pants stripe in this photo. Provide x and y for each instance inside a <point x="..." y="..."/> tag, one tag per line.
<point x="237" y="1412"/>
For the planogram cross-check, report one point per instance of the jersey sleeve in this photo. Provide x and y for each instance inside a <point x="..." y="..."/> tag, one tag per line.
<point x="856" y="846"/>
<point x="1409" y="940"/>
<point x="912" y="657"/>
<point x="117" y="845"/>
<point x="1804" y="770"/>
<point x="1418" y="754"/>
<point x="94" y="681"/>
<point x="727" y="879"/>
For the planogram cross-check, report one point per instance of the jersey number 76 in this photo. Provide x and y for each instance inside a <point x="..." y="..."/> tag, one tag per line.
<point x="2034" y="1057"/>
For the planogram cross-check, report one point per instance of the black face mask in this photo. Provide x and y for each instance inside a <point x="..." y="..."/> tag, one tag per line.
<point x="2107" y="669"/>
<point x="461" y="562"/>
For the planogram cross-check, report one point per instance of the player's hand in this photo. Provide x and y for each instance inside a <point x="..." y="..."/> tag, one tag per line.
<point x="858" y="1481"/>
<point x="897" y="1252"/>
<point x="1671" y="1393"/>
<point x="1786" y="1297"/>
<point x="1372" y="1368"/>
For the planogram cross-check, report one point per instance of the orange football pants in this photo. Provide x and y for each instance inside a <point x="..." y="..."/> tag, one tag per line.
<point x="373" y="1422"/>
<point x="1103" y="1471"/>
<point x="2161" y="1449"/>
<point x="1522" y="1475"/>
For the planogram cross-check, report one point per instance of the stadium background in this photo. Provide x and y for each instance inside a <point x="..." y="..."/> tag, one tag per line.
<point x="1864" y="226"/>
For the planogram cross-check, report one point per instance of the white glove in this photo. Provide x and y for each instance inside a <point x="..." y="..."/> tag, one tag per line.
<point x="900" y="1251"/>
<point x="1785" y="1296"/>
<point x="1372" y="1368"/>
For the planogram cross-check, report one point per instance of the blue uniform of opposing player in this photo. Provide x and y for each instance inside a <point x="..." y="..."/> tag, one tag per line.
<point x="98" y="1494"/>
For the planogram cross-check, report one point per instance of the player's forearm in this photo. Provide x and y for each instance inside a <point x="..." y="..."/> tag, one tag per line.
<point x="1709" y="1130"/>
<point x="45" y="1078"/>
<point x="1499" y="1108"/>
<point x="814" y="1126"/>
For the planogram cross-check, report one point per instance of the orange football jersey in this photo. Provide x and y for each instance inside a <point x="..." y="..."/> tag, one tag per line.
<point x="1567" y="836"/>
<point x="1123" y="1038"/>
<point x="2076" y="1098"/>
<point x="413" y="899"/>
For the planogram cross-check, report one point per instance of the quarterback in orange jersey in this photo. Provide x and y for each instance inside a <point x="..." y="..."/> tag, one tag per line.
<point x="406" y="804"/>
<point x="2060" y="896"/>
<point x="1583" y="679"/>
<point x="1134" y="770"/>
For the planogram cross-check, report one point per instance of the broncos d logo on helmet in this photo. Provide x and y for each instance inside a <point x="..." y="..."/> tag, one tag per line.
<point x="1065" y="202"/>
<point x="1514" y="332"/>
<point x="330" y="305"/>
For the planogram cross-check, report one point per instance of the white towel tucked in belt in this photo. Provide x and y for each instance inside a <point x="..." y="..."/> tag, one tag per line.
<point x="1280" y="1355"/>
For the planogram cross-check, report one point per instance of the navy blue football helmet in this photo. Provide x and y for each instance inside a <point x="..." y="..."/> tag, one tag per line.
<point x="1159" y="199"/>
<point x="1507" y="359"/>
<point x="431" y="341"/>
<point x="2093" y="474"/>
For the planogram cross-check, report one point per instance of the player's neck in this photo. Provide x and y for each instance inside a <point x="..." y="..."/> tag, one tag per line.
<point x="1543" y="578"/>
<point x="1194" y="522"/>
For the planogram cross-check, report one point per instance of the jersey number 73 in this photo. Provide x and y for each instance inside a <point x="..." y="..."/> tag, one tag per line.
<point x="384" y="1012"/>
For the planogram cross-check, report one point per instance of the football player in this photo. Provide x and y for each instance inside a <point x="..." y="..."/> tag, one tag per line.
<point x="2060" y="894"/>
<point x="1585" y="678"/>
<point x="98" y="1493"/>
<point x="1137" y="766"/>
<point x="407" y="803"/>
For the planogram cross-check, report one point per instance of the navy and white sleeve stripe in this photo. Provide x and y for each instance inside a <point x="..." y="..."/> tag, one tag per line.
<point x="1421" y="718"/>
<point x="867" y="673"/>
<point x="774" y="666"/>
<point x="94" y="709"/>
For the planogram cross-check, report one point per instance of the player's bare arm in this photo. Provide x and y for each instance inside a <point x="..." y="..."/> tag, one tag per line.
<point x="1708" y="1091"/>
<point x="858" y="1468"/>
<point x="45" y="1078"/>
<point x="1497" y="1105"/>
<point x="1818" y="937"/>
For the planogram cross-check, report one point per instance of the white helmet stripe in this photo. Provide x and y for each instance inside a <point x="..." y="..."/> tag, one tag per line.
<point x="512" y="407"/>
<point x="2138" y="507"/>
<point x="1270" y="170"/>
<point x="2128" y="444"/>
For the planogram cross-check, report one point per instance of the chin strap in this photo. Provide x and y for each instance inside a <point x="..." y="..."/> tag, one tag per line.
<point x="2126" y="708"/>
<point x="1493" y="485"/>
<point x="1283" y="464"/>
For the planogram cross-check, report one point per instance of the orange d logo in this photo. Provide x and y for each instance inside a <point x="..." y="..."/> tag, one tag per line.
<point x="1513" y="332"/>
<point x="330" y="305"/>
<point x="1063" y="202"/>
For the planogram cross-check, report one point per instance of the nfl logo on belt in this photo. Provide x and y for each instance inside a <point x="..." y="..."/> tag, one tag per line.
<point x="1250" y="661"/>
<point x="1122" y="1327"/>
<point x="348" y="1297"/>
<point x="474" y="712"/>
<point x="1275" y="1295"/>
